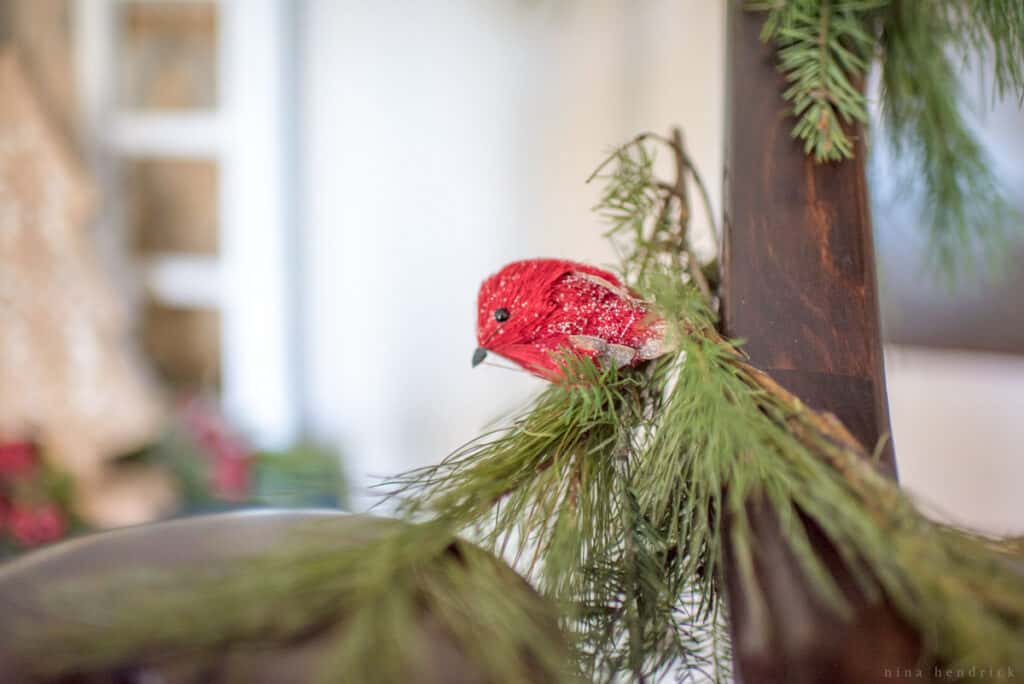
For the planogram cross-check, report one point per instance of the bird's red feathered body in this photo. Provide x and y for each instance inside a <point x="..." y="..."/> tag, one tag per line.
<point x="531" y="310"/>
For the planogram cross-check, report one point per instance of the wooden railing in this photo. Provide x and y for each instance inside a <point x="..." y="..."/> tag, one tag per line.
<point x="799" y="279"/>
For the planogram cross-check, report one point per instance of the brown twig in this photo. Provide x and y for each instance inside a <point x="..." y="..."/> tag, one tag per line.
<point x="684" y="169"/>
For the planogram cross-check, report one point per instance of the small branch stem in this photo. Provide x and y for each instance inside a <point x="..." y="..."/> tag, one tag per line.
<point x="697" y="273"/>
<point x="633" y="611"/>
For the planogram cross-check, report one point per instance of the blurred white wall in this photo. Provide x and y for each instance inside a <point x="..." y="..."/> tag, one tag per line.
<point x="441" y="140"/>
<point x="957" y="415"/>
<point x="958" y="426"/>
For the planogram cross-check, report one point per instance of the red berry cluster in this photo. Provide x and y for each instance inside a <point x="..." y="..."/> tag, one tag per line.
<point x="228" y="456"/>
<point x="28" y="514"/>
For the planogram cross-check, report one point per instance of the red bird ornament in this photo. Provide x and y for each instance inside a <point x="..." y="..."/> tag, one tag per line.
<point x="530" y="311"/>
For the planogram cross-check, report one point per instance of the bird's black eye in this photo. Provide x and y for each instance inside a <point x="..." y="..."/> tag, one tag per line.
<point x="501" y="315"/>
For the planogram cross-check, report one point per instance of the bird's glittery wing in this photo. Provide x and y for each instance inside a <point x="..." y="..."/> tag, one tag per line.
<point x="618" y="290"/>
<point x="652" y="343"/>
<point x="618" y="354"/>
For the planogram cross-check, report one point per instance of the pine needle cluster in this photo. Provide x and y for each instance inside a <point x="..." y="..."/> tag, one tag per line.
<point x="556" y="492"/>
<point x="649" y="219"/>
<point x="826" y="48"/>
<point x="924" y="47"/>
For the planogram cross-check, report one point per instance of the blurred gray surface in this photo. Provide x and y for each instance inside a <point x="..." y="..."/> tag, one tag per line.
<point x="181" y="544"/>
<point x="981" y="308"/>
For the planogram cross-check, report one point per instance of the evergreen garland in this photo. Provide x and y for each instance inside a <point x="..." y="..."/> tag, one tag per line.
<point x="616" y="493"/>
<point x="612" y="488"/>
<point x="825" y="49"/>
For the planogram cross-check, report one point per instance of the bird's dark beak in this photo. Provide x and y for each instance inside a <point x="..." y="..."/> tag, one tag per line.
<point x="478" y="356"/>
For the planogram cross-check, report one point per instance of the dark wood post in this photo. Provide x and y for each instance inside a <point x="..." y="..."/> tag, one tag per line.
<point x="799" y="285"/>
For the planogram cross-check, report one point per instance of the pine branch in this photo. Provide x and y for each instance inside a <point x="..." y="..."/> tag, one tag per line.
<point x="995" y="29"/>
<point x="618" y="482"/>
<point x="750" y="433"/>
<point x="824" y="50"/>
<point x="555" y="491"/>
<point x="649" y="217"/>
<point x="964" y="206"/>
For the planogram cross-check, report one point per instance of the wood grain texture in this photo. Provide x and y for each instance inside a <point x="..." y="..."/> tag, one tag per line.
<point x="798" y="253"/>
<point x="800" y="288"/>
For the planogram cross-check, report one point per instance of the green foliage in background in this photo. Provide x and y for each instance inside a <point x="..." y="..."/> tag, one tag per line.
<point x="303" y="474"/>
<point x="826" y="48"/>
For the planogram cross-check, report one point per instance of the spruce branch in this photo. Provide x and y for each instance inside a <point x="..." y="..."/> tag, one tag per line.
<point x="554" y="492"/>
<point x="995" y="29"/>
<point x="824" y="50"/>
<point x="964" y="206"/>
<point x="650" y="218"/>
